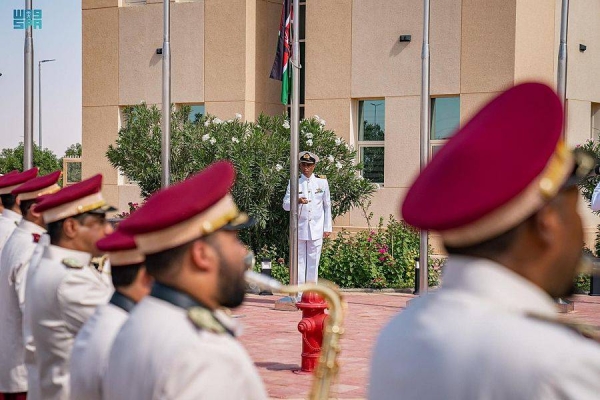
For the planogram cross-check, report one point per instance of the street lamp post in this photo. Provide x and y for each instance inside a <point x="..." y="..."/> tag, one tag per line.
<point x="375" y="105"/>
<point x="40" y="100"/>
<point x="28" y="95"/>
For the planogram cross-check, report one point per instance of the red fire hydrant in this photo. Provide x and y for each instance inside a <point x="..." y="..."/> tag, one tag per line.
<point x="311" y="326"/>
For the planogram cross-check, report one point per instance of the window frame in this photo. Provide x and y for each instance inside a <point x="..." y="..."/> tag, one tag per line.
<point x="434" y="143"/>
<point x="361" y="144"/>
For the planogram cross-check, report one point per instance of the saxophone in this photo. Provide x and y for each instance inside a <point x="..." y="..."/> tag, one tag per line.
<point x="327" y="368"/>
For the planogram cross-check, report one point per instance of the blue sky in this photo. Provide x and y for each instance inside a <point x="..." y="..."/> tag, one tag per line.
<point x="59" y="38"/>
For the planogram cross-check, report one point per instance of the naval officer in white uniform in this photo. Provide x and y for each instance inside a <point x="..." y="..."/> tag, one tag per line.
<point x="314" y="217"/>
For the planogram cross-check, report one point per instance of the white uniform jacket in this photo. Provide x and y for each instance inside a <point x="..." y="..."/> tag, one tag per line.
<point x="92" y="347"/>
<point x="61" y="299"/>
<point x="314" y="218"/>
<point x="14" y="259"/>
<point x="33" y="383"/>
<point x="595" y="203"/>
<point x="8" y="222"/>
<point x="160" y="354"/>
<point x="473" y="339"/>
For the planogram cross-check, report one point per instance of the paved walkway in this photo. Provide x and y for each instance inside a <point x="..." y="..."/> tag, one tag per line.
<point x="272" y="339"/>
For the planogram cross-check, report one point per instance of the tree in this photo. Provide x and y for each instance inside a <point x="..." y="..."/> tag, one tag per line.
<point x="44" y="159"/>
<point x="258" y="150"/>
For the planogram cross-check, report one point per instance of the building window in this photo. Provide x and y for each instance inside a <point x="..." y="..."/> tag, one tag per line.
<point x="445" y="119"/>
<point x="595" y="121"/>
<point x="371" y="138"/>
<point x="125" y="3"/>
<point x="197" y="111"/>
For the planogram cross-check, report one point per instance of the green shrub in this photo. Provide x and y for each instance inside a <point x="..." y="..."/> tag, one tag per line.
<point x="379" y="258"/>
<point x="260" y="152"/>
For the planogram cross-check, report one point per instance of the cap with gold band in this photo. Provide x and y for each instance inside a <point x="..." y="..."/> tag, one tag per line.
<point x="196" y="207"/>
<point x="308" y="157"/>
<point x="121" y="249"/>
<point x="11" y="180"/>
<point x="36" y="187"/>
<point x="82" y="197"/>
<point x="497" y="170"/>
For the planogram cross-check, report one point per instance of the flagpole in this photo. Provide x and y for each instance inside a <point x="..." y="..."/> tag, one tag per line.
<point x="28" y="86"/>
<point x="294" y="146"/>
<point x="561" y="84"/>
<point x="166" y="97"/>
<point x="425" y="105"/>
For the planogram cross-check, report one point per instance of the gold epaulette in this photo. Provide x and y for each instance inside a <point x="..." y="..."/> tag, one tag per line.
<point x="72" y="263"/>
<point x="204" y="319"/>
<point x="321" y="176"/>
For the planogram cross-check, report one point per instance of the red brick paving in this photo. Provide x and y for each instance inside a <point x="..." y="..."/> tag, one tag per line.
<point x="272" y="339"/>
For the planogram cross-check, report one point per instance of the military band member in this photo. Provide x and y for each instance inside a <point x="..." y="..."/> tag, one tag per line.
<point x="15" y="259"/>
<point x="11" y="215"/>
<point x="176" y="344"/>
<point x="502" y="194"/>
<point x="89" y="358"/>
<point x="314" y="217"/>
<point x="65" y="289"/>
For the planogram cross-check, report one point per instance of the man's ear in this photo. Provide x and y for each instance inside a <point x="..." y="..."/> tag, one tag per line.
<point x="70" y="228"/>
<point x="203" y="256"/>
<point x="546" y="222"/>
<point x="34" y="213"/>
<point x="18" y="202"/>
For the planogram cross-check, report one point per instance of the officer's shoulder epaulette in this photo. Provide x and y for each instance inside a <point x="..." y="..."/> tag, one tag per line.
<point x="204" y="319"/>
<point x="72" y="263"/>
<point x="321" y="176"/>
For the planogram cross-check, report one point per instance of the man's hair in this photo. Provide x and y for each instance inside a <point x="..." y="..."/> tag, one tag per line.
<point x="490" y="248"/>
<point x="8" y="201"/>
<point x="124" y="275"/>
<point x="25" y="206"/>
<point x="168" y="261"/>
<point x="55" y="229"/>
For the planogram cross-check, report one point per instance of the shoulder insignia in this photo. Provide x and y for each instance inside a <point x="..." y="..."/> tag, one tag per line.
<point x="72" y="263"/>
<point x="99" y="262"/>
<point x="204" y="319"/>
<point x="321" y="176"/>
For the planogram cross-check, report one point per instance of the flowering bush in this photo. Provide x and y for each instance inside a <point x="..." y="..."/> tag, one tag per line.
<point x="379" y="258"/>
<point x="260" y="152"/>
<point x="132" y="207"/>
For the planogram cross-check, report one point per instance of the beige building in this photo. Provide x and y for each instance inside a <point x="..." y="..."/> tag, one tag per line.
<point x="356" y="71"/>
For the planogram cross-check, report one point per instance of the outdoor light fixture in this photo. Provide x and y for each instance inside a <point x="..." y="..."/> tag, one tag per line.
<point x="582" y="47"/>
<point x="405" y="38"/>
<point x="159" y="50"/>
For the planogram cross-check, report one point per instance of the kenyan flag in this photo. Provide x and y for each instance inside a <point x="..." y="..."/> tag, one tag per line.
<point x="281" y="70"/>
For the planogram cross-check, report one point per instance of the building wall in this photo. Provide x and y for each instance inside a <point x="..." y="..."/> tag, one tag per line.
<point x="222" y="53"/>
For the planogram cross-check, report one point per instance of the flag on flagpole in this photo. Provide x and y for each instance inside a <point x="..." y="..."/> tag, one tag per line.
<point x="283" y="57"/>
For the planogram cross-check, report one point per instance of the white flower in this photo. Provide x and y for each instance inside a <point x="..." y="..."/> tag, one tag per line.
<point x="338" y="165"/>
<point x="206" y="123"/>
<point x="229" y="121"/>
<point x="309" y="135"/>
<point x="317" y="117"/>
<point x="212" y="141"/>
<point x="235" y="140"/>
<point x="286" y="124"/>
<point x="278" y="167"/>
<point x="338" y="141"/>
<point x="217" y="121"/>
<point x="309" y="142"/>
<point x="330" y="158"/>
<point x="376" y="185"/>
<point x="322" y="122"/>
<point x="238" y="116"/>
<point x="361" y="177"/>
<point x="205" y="137"/>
